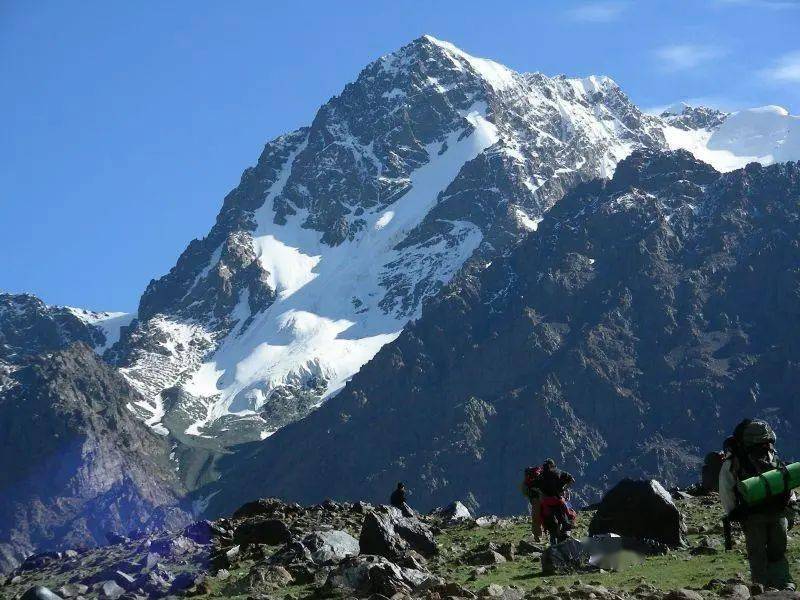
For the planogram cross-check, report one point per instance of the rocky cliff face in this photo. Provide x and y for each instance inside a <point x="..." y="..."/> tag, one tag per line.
<point x="334" y="240"/>
<point x="645" y="317"/>
<point x="77" y="463"/>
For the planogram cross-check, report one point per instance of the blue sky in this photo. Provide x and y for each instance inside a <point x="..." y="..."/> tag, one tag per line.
<point x="125" y="124"/>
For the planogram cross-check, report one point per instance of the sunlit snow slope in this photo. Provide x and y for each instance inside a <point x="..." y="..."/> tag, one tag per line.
<point x="765" y="135"/>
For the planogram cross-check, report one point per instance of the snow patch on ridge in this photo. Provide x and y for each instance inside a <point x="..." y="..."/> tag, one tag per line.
<point x="332" y="313"/>
<point x="765" y="135"/>
<point x="110" y="323"/>
<point x="496" y="75"/>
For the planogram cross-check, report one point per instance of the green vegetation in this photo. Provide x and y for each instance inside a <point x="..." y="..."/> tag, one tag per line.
<point x="679" y="569"/>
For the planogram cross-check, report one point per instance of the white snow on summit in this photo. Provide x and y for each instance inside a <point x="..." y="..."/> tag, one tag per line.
<point x="765" y="135"/>
<point x="326" y="321"/>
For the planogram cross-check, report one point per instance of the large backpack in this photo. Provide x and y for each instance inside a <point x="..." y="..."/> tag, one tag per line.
<point x="752" y="448"/>
<point x="531" y="481"/>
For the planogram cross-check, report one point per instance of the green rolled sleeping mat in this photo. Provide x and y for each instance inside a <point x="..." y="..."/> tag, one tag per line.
<point x="772" y="483"/>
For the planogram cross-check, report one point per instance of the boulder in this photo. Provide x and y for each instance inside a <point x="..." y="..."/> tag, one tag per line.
<point x="454" y="513"/>
<point x="115" y="538"/>
<point x="172" y="546"/>
<point x="735" y="591"/>
<point x="201" y="532"/>
<point x="501" y="592"/>
<point x="292" y="553"/>
<point x="262" y="531"/>
<point x="40" y="593"/>
<point x="109" y="590"/>
<point x="186" y="581"/>
<point x="331" y="546"/>
<point x="72" y="590"/>
<point x="567" y="557"/>
<point x="375" y="575"/>
<point x="386" y="532"/>
<point x="779" y="595"/>
<point x="640" y="509"/>
<point x="262" y="506"/>
<point x="37" y="561"/>
<point x="683" y="594"/>
<point x="263" y="578"/>
<point x="483" y="558"/>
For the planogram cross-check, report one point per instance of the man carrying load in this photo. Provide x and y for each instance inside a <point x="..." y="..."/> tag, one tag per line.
<point x="755" y="490"/>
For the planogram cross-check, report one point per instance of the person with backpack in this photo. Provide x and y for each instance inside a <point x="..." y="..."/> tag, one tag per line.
<point x="531" y="490"/>
<point x="557" y="517"/>
<point x="750" y="452"/>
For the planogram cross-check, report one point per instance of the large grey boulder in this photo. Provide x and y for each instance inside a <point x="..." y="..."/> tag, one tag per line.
<point x="331" y="546"/>
<point x="367" y="574"/>
<point x="640" y="509"/>
<point x="386" y="532"/>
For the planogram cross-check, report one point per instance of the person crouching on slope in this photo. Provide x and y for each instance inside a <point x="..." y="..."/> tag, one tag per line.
<point x="398" y="500"/>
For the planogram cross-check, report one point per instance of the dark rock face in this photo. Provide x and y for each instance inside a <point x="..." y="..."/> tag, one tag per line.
<point x="84" y="465"/>
<point x="695" y="117"/>
<point x="645" y="318"/>
<point x="28" y="327"/>
<point x="643" y="510"/>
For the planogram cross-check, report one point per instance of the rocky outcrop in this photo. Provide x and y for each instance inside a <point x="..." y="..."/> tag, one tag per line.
<point x="387" y="532"/>
<point x="642" y="510"/>
<point x="645" y="318"/>
<point x="82" y="464"/>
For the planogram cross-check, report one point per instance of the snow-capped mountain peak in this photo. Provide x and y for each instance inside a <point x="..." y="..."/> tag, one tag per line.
<point x="432" y="159"/>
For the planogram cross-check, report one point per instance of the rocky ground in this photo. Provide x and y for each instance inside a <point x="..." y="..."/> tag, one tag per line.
<point x="270" y="549"/>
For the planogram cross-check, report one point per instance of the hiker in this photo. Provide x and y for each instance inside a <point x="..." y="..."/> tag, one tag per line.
<point x="557" y="517"/>
<point x="749" y="452"/>
<point x="531" y="490"/>
<point x="398" y="500"/>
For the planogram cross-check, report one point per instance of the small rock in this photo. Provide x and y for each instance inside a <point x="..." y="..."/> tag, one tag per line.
<point x="265" y="577"/>
<point x="737" y="591"/>
<point x="508" y="550"/>
<point x="683" y="594"/>
<point x="487" y="521"/>
<point x="109" y="590"/>
<point x="116" y="538"/>
<point x="485" y="557"/>
<point x="201" y="532"/>
<point x="71" y="590"/>
<point x="525" y="548"/>
<point x="40" y="593"/>
<point x="223" y="574"/>
<point x="186" y="581"/>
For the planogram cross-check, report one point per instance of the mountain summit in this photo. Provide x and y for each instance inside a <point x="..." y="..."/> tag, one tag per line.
<point x="429" y="160"/>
